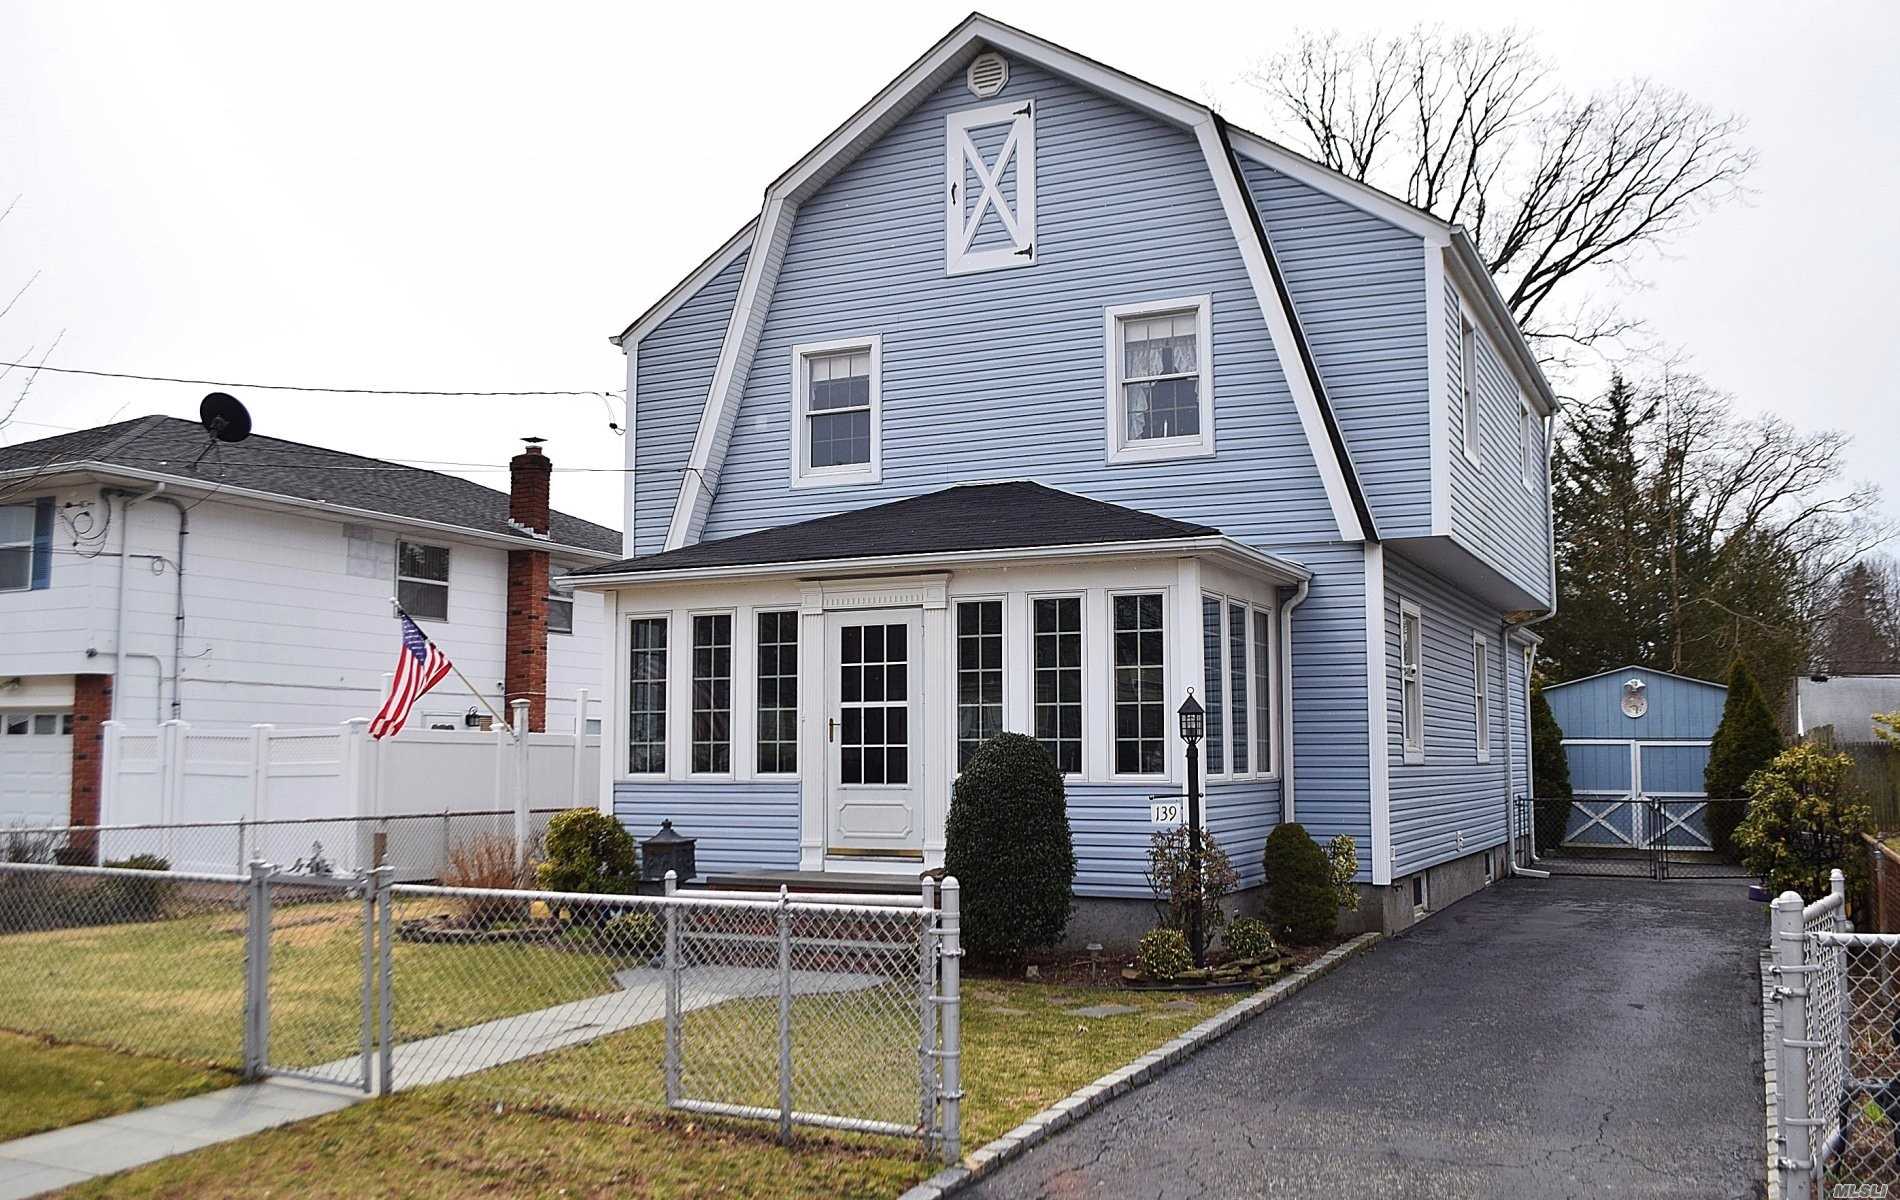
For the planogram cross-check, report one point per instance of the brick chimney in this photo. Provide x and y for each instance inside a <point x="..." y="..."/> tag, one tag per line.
<point x="526" y="664"/>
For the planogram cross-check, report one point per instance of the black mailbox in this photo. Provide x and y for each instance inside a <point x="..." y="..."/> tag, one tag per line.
<point x="667" y="851"/>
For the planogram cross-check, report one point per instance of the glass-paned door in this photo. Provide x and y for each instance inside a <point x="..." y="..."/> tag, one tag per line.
<point x="873" y="733"/>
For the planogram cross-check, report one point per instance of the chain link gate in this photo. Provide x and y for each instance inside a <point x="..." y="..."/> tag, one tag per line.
<point x="1633" y="837"/>
<point x="310" y="961"/>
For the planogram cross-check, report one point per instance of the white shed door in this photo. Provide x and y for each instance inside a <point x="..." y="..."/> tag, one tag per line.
<point x="36" y="767"/>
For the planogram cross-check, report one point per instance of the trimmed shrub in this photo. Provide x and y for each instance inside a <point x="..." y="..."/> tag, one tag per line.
<point x="1794" y="803"/>
<point x="1249" y="937"/>
<point x="1342" y="856"/>
<point x="1746" y="741"/>
<point x="136" y="899"/>
<point x="639" y="934"/>
<point x="589" y="851"/>
<point x="1301" y="904"/>
<point x="1163" y="954"/>
<point x="1007" y="841"/>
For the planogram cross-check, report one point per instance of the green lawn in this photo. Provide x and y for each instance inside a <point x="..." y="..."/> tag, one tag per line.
<point x="1022" y="1052"/>
<point x="46" y="1085"/>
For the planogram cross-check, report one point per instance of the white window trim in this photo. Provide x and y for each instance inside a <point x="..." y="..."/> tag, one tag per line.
<point x="1081" y="598"/>
<point x="1169" y="677"/>
<point x="1201" y="445"/>
<point x="668" y="751"/>
<point x="957" y="259"/>
<point x="803" y="476"/>
<point x="752" y="687"/>
<point x="953" y="672"/>
<point x="448" y="553"/>
<point x="1470" y="401"/>
<point x="30" y="544"/>
<point x="1414" y="749"/>
<point x="556" y="596"/>
<point x="733" y="697"/>
<point x="1481" y="695"/>
<point x="1255" y="772"/>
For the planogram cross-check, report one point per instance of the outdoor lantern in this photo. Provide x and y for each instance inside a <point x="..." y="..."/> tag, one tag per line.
<point x="667" y="851"/>
<point x="1193" y="719"/>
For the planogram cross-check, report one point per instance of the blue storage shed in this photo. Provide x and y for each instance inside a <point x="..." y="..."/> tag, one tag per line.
<point x="1630" y="734"/>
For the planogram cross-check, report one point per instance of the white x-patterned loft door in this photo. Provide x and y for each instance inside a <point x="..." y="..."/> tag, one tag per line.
<point x="990" y="187"/>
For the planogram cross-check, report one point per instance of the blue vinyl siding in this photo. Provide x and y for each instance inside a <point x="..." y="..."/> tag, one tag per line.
<point x="1492" y="512"/>
<point x="1517" y="719"/>
<point x="674" y="373"/>
<point x="1359" y="286"/>
<point x="1679" y="709"/>
<point x="741" y="826"/>
<point x="1451" y="792"/>
<point x="1240" y="815"/>
<point x="1111" y="827"/>
<point x="1331" y="771"/>
<point x="1001" y="374"/>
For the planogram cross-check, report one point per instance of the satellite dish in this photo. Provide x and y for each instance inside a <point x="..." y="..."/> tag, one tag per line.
<point x="224" y="417"/>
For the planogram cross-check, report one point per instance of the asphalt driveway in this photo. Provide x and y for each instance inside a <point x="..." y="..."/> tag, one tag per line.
<point x="1570" y="1037"/>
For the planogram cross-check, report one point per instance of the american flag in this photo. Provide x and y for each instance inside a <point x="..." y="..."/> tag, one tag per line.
<point x="419" y="667"/>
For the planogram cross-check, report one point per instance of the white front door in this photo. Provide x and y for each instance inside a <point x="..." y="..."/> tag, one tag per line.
<point x="873" y="732"/>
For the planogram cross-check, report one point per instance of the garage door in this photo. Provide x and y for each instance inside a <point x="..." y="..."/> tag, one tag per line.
<point x="36" y="766"/>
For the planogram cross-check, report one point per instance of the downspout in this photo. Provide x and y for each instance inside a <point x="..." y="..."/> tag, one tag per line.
<point x="1550" y="540"/>
<point x="119" y="652"/>
<point x="178" y="601"/>
<point x="1286" y="701"/>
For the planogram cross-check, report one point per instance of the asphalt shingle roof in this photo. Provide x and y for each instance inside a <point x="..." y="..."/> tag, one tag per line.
<point x="990" y="516"/>
<point x="167" y="445"/>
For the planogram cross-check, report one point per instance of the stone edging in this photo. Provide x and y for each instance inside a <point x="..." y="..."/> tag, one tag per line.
<point x="1077" y="1104"/>
<point x="1770" y="1023"/>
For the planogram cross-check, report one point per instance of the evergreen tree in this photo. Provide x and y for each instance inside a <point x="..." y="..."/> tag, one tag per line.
<point x="1550" y="772"/>
<point x="1746" y="741"/>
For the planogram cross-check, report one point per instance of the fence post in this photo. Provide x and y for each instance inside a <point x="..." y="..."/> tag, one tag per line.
<point x="784" y="1015"/>
<point x="241" y="859"/>
<point x="672" y="1055"/>
<point x="926" y="1014"/>
<point x="950" y="950"/>
<point x="385" y="978"/>
<point x="520" y="788"/>
<point x="577" y="766"/>
<point x="260" y="772"/>
<point x="257" y="971"/>
<point x="1837" y="886"/>
<point x="372" y="879"/>
<point x="1794" y="1158"/>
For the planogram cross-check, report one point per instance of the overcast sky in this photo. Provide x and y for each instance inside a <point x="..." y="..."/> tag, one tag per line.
<point x="475" y="196"/>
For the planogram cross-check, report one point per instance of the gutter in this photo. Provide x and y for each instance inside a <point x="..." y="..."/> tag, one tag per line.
<point x="1287" y="811"/>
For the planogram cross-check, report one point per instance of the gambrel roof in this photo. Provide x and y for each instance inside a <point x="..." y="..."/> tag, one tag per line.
<point x="1223" y="147"/>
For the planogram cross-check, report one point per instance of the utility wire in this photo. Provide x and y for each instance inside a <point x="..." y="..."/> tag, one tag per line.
<point x="287" y="387"/>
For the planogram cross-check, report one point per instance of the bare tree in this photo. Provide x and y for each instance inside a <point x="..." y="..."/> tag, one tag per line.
<point x="1550" y="185"/>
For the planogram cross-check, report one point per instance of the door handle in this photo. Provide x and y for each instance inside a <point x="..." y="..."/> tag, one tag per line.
<point x="831" y="729"/>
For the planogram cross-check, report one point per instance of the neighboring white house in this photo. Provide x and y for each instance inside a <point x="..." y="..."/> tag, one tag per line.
<point x="141" y="584"/>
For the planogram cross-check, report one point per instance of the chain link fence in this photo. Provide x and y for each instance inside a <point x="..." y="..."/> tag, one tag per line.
<point x="452" y="845"/>
<point x="799" y="1011"/>
<point x="1638" y="837"/>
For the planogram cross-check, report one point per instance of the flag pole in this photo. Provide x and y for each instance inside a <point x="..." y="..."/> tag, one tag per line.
<point x="505" y="723"/>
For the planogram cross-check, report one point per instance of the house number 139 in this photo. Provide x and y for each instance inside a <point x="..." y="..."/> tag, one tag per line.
<point x="1168" y="813"/>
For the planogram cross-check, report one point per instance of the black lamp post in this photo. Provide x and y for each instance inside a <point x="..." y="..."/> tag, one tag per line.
<point x="1193" y="728"/>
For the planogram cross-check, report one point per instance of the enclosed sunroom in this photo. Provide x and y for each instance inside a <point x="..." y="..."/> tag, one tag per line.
<point x="801" y="698"/>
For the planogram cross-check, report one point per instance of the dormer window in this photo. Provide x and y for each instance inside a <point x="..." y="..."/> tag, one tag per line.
<point x="1160" y="380"/>
<point x="990" y="188"/>
<point x="837" y="417"/>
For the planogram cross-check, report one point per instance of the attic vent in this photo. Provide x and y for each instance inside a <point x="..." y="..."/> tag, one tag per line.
<point x="987" y="75"/>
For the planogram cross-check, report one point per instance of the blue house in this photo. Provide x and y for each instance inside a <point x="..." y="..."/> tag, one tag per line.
<point x="1035" y="397"/>
<point x="1630" y="733"/>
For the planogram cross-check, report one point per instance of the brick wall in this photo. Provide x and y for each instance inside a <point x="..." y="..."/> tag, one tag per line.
<point x="525" y="665"/>
<point x="92" y="708"/>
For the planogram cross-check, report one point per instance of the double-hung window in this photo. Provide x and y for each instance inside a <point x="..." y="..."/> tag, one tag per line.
<point x="25" y="532"/>
<point x="560" y="610"/>
<point x="979" y="675"/>
<point x="646" y="696"/>
<point x="712" y="694"/>
<point x="1411" y="681"/>
<point x="837" y="413"/>
<point x="422" y="580"/>
<point x="778" y="693"/>
<point x="1058" y="694"/>
<point x="1481" y="694"/>
<point x="1141" y="702"/>
<point x="1160" y="380"/>
<point x="1237" y="666"/>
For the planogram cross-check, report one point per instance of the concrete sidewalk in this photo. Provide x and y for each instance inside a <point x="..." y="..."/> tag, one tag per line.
<point x="45" y="1161"/>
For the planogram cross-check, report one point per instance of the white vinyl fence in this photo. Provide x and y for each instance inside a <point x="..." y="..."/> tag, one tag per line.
<point x="177" y="775"/>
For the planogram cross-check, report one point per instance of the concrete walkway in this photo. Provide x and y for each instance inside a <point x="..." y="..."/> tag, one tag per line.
<point x="1561" y="1038"/>
<point x="46" y="1161"/>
